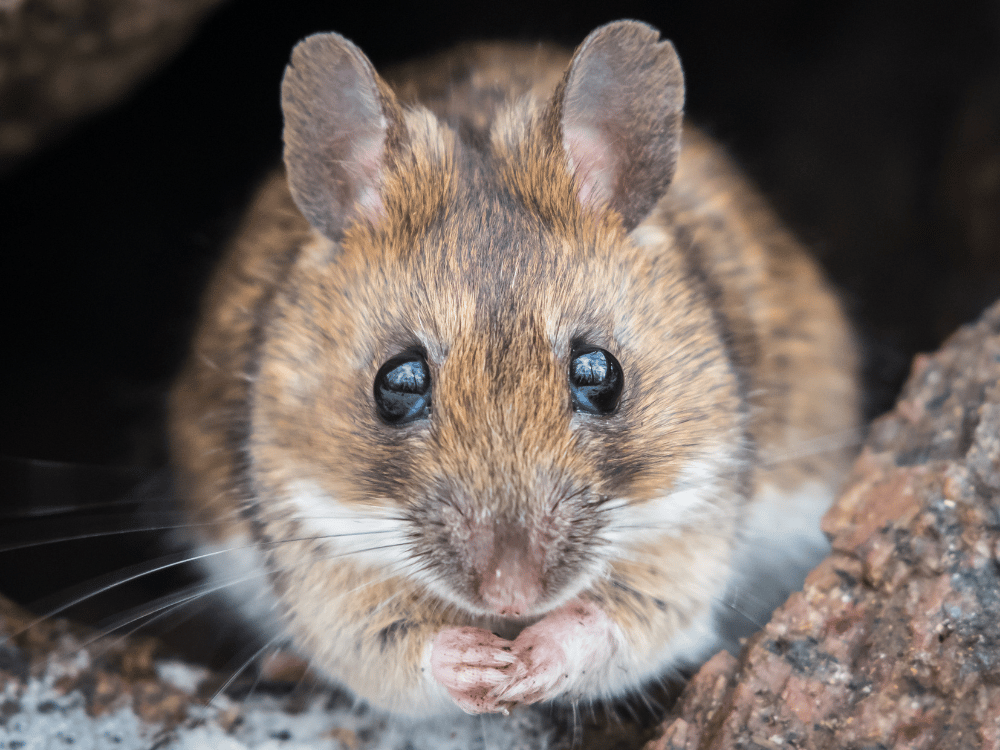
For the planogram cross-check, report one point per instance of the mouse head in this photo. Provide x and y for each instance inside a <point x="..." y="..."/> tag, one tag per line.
<point x="483" y="355"/>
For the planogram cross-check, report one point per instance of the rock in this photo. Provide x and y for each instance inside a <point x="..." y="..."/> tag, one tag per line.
<point x="894" y="641"/>
<point x="63" y="59"/>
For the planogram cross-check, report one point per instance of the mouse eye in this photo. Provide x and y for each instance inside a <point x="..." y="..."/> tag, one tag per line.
<point x="595" y="380"/>
<point x="403" y="389"/>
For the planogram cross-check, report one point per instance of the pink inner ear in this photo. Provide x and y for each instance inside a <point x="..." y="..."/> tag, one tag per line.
<point x="592" y="163"/>
<point x="366" y="170"/>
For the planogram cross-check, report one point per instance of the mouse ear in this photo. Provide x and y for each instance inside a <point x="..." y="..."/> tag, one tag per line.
<point x="341" y="120"/>
<point x="619" y="111"/>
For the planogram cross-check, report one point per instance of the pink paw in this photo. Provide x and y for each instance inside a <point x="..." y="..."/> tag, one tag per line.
<point x="471" y="663"/>
<point x="484" y="673"/>
<point x="544" y="668"/>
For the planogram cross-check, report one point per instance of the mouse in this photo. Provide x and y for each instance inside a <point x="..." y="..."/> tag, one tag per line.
<point x="510" y="388"/>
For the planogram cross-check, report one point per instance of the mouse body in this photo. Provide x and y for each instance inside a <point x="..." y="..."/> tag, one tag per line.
<point x="495" y="394"/>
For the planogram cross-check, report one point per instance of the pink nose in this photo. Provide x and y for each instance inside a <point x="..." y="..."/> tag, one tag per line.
<point x="513" y="587"/>
<point x="509" y="568"/>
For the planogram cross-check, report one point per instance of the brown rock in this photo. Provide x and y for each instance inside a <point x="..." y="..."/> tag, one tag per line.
<point x="63" y="59"/>
<point x="895" y="640"/>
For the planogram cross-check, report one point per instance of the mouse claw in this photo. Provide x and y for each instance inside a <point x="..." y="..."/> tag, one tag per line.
<point x="472" y="664"/>
<point x="555" y="653"/>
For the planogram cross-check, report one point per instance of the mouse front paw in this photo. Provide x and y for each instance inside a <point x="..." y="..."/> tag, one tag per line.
<point x="471" y="664"/>
<point x="484" y="673"/>
<point x="542" y="674"/>
<point x="556" y="653"/>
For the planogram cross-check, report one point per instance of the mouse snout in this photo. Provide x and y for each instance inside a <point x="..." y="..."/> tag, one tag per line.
<point x="508" y="566"/>
<point x="511" y="553"/>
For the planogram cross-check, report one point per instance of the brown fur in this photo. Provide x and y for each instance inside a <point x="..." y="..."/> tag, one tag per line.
<point x="481" y="250"/>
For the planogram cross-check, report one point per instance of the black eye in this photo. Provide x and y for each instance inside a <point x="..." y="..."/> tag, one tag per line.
<point x="403" y="389"/>
<point x="595" y="381"/>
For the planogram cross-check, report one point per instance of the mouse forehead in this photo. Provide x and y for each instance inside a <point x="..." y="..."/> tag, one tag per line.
<point x="486" y="268"/>
<point x="461" y="241"/>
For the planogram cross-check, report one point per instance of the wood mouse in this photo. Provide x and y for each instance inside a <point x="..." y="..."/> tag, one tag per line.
<point x="495" y="396"/>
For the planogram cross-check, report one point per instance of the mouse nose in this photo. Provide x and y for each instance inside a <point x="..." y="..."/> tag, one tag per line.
<point x="509" y="568"/>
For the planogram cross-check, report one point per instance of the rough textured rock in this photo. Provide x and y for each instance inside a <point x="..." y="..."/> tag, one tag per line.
<point x="62" y="59"/>
<point x="895" y="640"/>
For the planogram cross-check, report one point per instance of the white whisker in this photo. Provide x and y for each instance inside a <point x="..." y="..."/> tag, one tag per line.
<point x="256" y="654"/>
<point x="166" y="562"/>
<point x="176" y="601"/>
<point x="101" y="534"/>
<point x="830" y="443"/>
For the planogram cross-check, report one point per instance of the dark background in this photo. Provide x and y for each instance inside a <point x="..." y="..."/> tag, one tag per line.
<point x="873" y="126"/>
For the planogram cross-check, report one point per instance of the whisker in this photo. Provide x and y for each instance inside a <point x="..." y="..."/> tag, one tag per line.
<point x="31" y="483"/>
<point x="769" y="459"/>
<point x="742" y="602"/>
<point x="379" y="548"/>
<point x="375" y="582"/>
<point x="166" y="527"/>
<point x="260" y="673"/>
<point x="483" y="731"/>
<point x="648" y="702"/>
<point x="387" y="601"/>
<point x="346" y="518"/>
<point x="178" y="599"/>
<point x="170" y="602"/>
<point x="143" y="570"/>
<point x="577" y="735"/>
<point x="174" y="602"/>
<point x="100" y="534"/>
<point x="834" y="441"/>
<point x="640" y="526"/>
<point x="352" y="533"/>
<point x="53" y="464"/>
<point x="59" y="510"/>
<point x="163" y="563"/>
<point x="253" y="657"/>
<point x="730" y="603"/>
